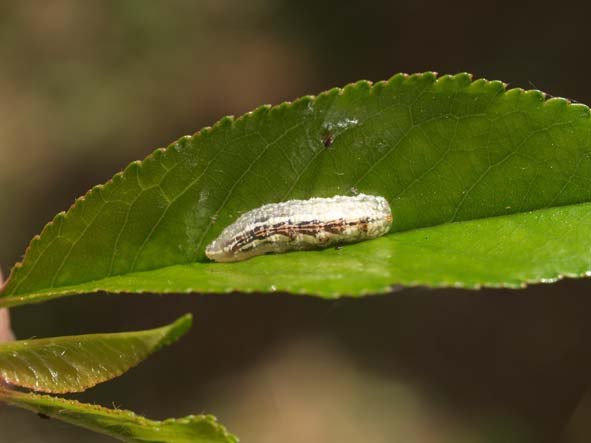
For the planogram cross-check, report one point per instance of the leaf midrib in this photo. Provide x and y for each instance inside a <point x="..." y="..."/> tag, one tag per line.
<point x="50" y="293"/>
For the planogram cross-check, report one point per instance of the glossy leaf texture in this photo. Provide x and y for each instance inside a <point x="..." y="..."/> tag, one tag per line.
<point x="120" y="424"/>
<point x="76" y="363"/>
<point x="459" y="161"/>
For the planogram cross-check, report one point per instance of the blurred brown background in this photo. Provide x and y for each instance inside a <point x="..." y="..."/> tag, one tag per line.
<point x="88" y="86"/>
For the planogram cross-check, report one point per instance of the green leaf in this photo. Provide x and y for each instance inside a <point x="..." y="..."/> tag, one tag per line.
<point x="450" y="154"/>
<point x="121" y="424"/>
<point x="76" y="363"/>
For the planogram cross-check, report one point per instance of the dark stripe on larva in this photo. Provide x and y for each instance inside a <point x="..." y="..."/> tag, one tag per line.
<point x="312" y="228"/>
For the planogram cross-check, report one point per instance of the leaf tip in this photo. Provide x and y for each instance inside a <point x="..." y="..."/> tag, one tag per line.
<point x="177" y="329"/>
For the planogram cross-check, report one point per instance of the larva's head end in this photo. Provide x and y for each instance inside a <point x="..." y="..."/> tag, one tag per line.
<point x="216" y="253"/>
<point x="212" y="251"/>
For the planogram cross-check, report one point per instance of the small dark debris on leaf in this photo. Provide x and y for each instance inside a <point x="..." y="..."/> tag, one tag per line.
<point x="43" y="416"/>
<point x="328" y="139"/>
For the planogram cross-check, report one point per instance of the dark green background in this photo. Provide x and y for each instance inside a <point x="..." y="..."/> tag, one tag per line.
<point x="87" y="87"/>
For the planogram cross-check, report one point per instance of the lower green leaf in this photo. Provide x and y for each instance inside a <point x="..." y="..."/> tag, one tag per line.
<point x="120" y="424"/>
<point x="75" y="363"/>
<point x="505" y="251"/>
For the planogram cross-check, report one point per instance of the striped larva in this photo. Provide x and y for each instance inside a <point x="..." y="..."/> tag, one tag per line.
<point x="302" y="224"/>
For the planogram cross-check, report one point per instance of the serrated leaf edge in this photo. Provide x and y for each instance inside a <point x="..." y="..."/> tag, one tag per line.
<point x="542" y="97"/>
<point x="21" y="399"/>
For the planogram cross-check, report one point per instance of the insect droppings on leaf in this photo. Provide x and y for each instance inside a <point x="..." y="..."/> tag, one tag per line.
<point x="328" y="139"/>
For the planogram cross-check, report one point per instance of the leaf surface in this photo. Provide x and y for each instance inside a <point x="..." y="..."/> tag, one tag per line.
<point x="458" y="160"/>
<point x="120" y="424"/>
<point x="78" y="362"/>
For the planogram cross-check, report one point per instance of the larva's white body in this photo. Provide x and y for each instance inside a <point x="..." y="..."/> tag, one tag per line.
<point x="302" y="224"/>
